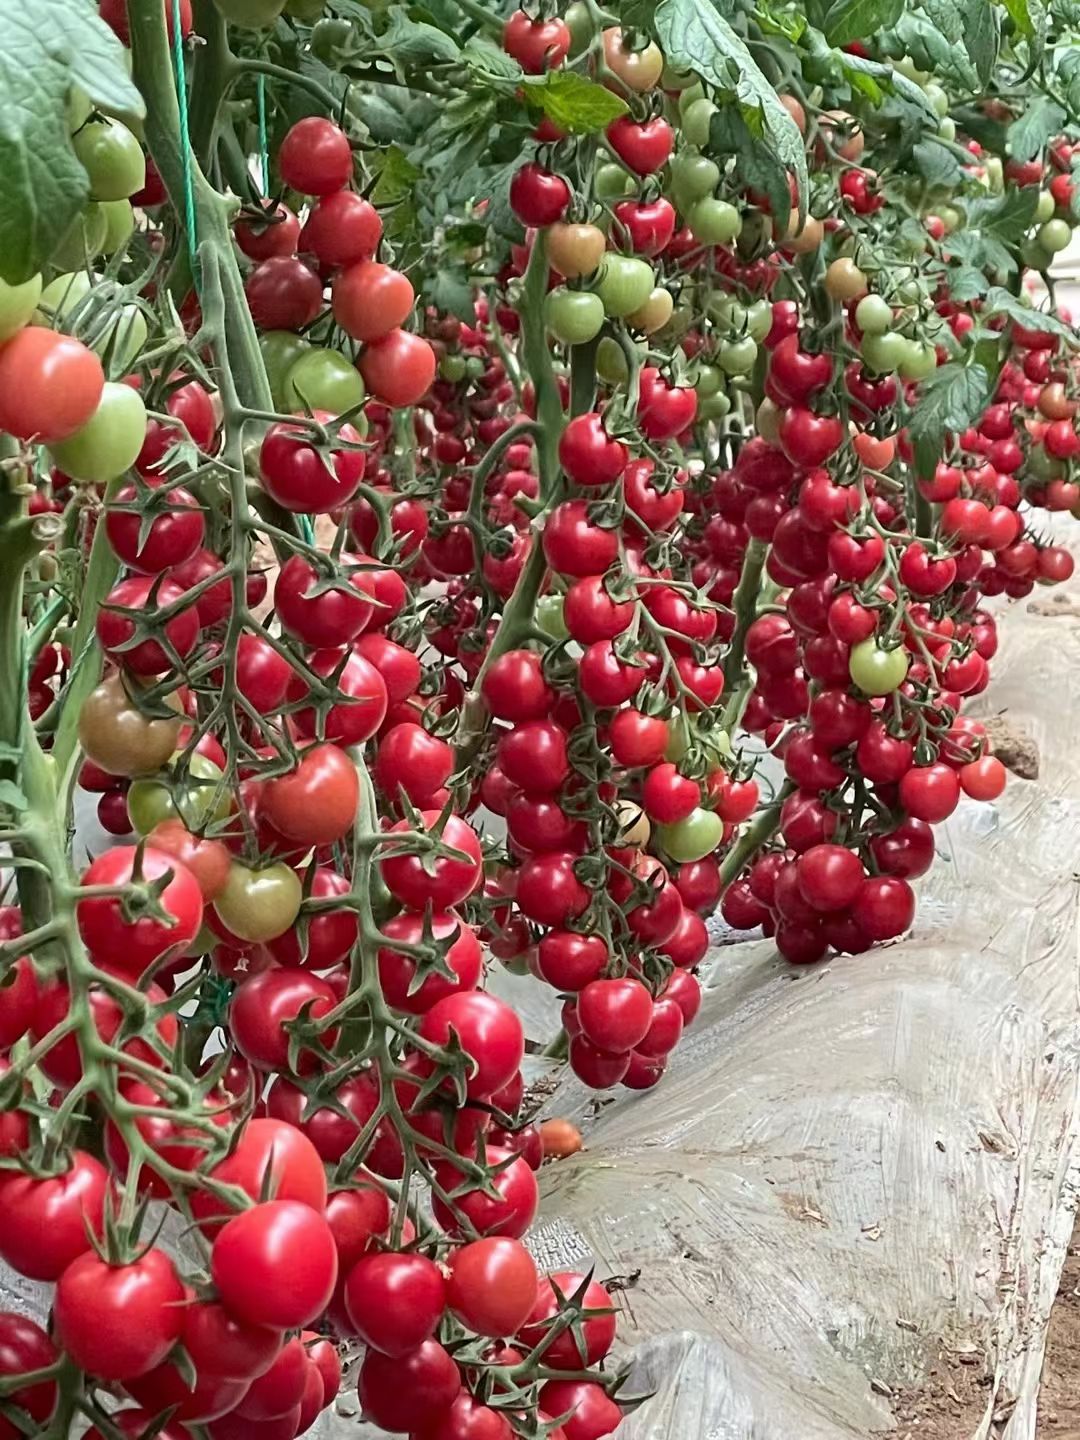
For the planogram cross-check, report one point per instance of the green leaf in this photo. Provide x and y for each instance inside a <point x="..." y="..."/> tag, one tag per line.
<point x="1028" y="135"/>
<point x="450" y="290"/>
<point x="950" y="400"/>
<point x="1068" y="76"/>
<point x="12" y="797"/>
<point x="946" y="17"/>
<point x="397" y="176"/>
<point x="488" y="61"/>
<point x="695" y="36"/>
<point x="411" y="41"/>
<point x="931" y="49"/>
<point x="44" y="51"/>
<point x="786" y="20"/>
<point x="938" y="166"/>
<point x="848" y="20"/>
<point x="966" y="283"/>
<point x="573" y="103"/>
<point x="756" y="167"/>
<point x="1019" y="13"/>
<point x="1000" y="301"/>
<point x="982" y="35"/>
<point x="1005" y="217"/>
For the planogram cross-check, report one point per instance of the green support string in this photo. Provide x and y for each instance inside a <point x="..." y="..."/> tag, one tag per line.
<point x="264" y="148"/>
<point x="185" y="137"/>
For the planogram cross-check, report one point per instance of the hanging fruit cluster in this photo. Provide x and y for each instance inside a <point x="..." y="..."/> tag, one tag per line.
<point x="472" y="496"/>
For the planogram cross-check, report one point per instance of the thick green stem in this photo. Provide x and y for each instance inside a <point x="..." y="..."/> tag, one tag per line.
<point x="745" y="606"/>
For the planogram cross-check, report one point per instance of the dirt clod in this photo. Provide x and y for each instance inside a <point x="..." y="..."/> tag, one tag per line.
<point x="1015" y="748"/>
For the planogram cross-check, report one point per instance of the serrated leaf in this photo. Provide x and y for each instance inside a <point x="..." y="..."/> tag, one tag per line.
<point x="937" y="165"/>
<point x="1019" y="12"/>
<point x="397" y="176"/>
<point x="848" y="20"/>
<point x="573" y="103"/>
<point x="1006" y="217"/>
<point x="695" y="36"/>
<point x="43" y="54"/>
<point x="948" y="402"/>
<point x="756" y="167"/>
<point x="780" y="20"/>
<point x="1000" y="301"/>
<point x="945" y="16"/>
<point x="931" y="49"/>
<point x="1041" y="120"/>
<point x="450" y="290"/>
<point x="489" y="61"/>
<point x="12" y="796"/>
<point x="982" y="35"/>
<point x="413" y="42"/>
<point x="966" y="283"/>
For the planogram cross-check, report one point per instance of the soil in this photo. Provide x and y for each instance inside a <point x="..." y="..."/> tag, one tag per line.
<point x="952" y="1402"/>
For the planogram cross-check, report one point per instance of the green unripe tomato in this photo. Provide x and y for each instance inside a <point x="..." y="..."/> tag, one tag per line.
<point x="995" y="173"/>
<point x="873" y="315"/>
<point x="259" y="905"/>
<point x="1045" y="466"/>
<point x="581" y="26"/>
<point x="112" y="158"/>
<point x="624" y="284"/>
<point x="108" y="443"/>
<point x="549" y="617"/>
<point x="306" y="11"/>
<point x="709" y="381"/>
<point x="452" y="368"/>
<point x="124" y="341"/>
<point x="883" y="353"/>
<point x="950" y="217"/>
<point x="79" y="109"/>
<point x="474" y="367"/>
<point x="611" y="182"/>
<point x="693" y="92"/>
<point x="694" y="175"/>
<point x="680" y="80"/>
<point x="726" y="311"/>
<point x="1054" y="236"/>
<point x="876" y="671"/>
<point x="323" y="380"/>
<point x="938" y="99"/>
<point x="759" y="319"/>
<point x="119" y="225"/>
<point x="736" y="357"/>
<point x="60" y="297"/>
<point x="692" y="838"/>
<point x="918" y="361"/>
<point x="696" y="119"/>
<point x="714" y="407"/>
<point x="574" y="317"/>
<point x="907" y="67"/>
<point x="947" y="128"/>
<point x="250" y="14"/>
<point x="17" y="305"/>
<point x="611" y="363"/>
<point x="714" y="222"/>
<point x="328" y="35"/>
<point x="83" y="240"/>
<point x="196" y="797"/>
<point x="716" y="744"/>
<point x="1044" y="209"/>
<point x="280" y="351"/>
<point x="1034" y="256"/>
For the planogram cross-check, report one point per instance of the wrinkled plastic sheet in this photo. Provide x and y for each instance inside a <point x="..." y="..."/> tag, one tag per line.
<point x="849" y="1166"/>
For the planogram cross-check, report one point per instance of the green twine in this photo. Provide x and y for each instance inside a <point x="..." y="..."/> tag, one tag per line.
<point x="185" y="137"/>
<point x="264" y="148"/>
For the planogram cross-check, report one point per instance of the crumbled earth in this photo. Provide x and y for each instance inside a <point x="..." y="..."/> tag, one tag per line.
<point x="1015" y="748"/>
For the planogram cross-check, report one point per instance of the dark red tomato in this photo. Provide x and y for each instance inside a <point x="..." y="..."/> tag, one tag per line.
<point x="264" y="1006"/>
<point x="492" y="1285"/>
<point x="219" y="1344"/>
<point x="837" y="719"/>
<point x="44" y="1223"/>
<point x="399" y="368"/>
<point x="280" y="1388"/>
<point x="18" y="1000"/>
<point x="930" y="792"/>
<point x="112" y="813"/>
<point x="489" y="1032"/>
<point x="582" y="1345"/>
<point x="644" y="145"/>
<point x="321" y="940"/>
<point x="884" y="907"/>
<point x="907" y="851"/>
<point x="473" y="1210"/>
<point x="315" y="156"/>
<point x="271" y="1157"/>
<point x="275" y="1264"/>
<point x="534" y="756"/>
<point x="165" y="1388"/>
<point x="829" y="876"/>
<point x="283" y="293"/>
<point x="468" y="1419"/>
<point x="569" y="961"/>
<point x="685" y="990"/>
<point x="119" y="1321"/>
<point x="412" y="760"/>
<point x="330" y="1128"/>
<point x="114" y="13"/>
<point x="369" y="300"/>
<point x="395" y="1302"/>
<point x="398" y="666"/>
<point x="50" y="385"/>
<point x="596" y="1068"/>
<point x="648" y="225"/>
<point x="300" y="478"/>
<point x="176" y="527"/>
<point x="215" y="602"/>
<point x="193" y="410"/>
<point x="592" y="1411"/>
<point x="548" y="890"/>
<point x="315" y="803"/>
<point x="398" y="971"/>
<point x="514" y="687"/>
<point x="655" y="920"/>
<point x="355" y="718"/>
<point x="538" y="197"/>
<point x="419" y="880"/>
<point x="341" y="229"/>
<point x="605" y="679"/>
<point x="615" y="1014"/>
<point x="698" y="884"/>
<point x="689" y="943"/>
<point x="318" y="612"/>
<point x="63" y="1061"/>
<point x="409" y="1392"/>
<point x="664" y="410"/>
<point x="25" y="1347"/>
<point x="537" y="45"/>
<point x="14" y="1124"/>
<point x="883" y="758"/>
<point x="574" y="545"/>
<point x="273" y="230"/>
<point x="134" y="944"/>
<point x="116" y="630"/>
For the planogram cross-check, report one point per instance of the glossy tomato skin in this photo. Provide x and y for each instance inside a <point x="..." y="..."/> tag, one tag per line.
<point x="410" y="758"/>
<point x="116" y="630"/>
<point x="24" y="1347"/>
<point x="298" y="477"/>
<point x="270" y="1154"/>
<point x="598" y="1333"/>
<point x="283" y="293"/>
<point x="395" y="1302"/>
<point x="103" y="928"/>
<point x="397" y="971"/>
<point x="119" y="1321"/>
<point x="280" y="1388"/>
<point x="220" y="1344"/>
<point x="315" y="156"/>
<point x="50" y="385"/>
<point x="510" y="1215"/>
<point x="326" y="938"/>
<point x="451" y="880"/>
<point x="175" y="532"/>
<point x="341" y="229"/>
<point x="265" y="1004"/>
<point x="370" y="300"/>
<point x="18" y="1001"/>
<point x="360" y="714"/>
<point x="355" y="1218"/>
<point x="314" y="804"/>
<point x="492" y="1286"/>
<point x="489" y="1031"/>
<point x="398" y="368"/>
<point x="333" y="617"/>
<point x="411" y="1391"/>
<point x="275" y="1264"/>
<point x="43" y="1223"/>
